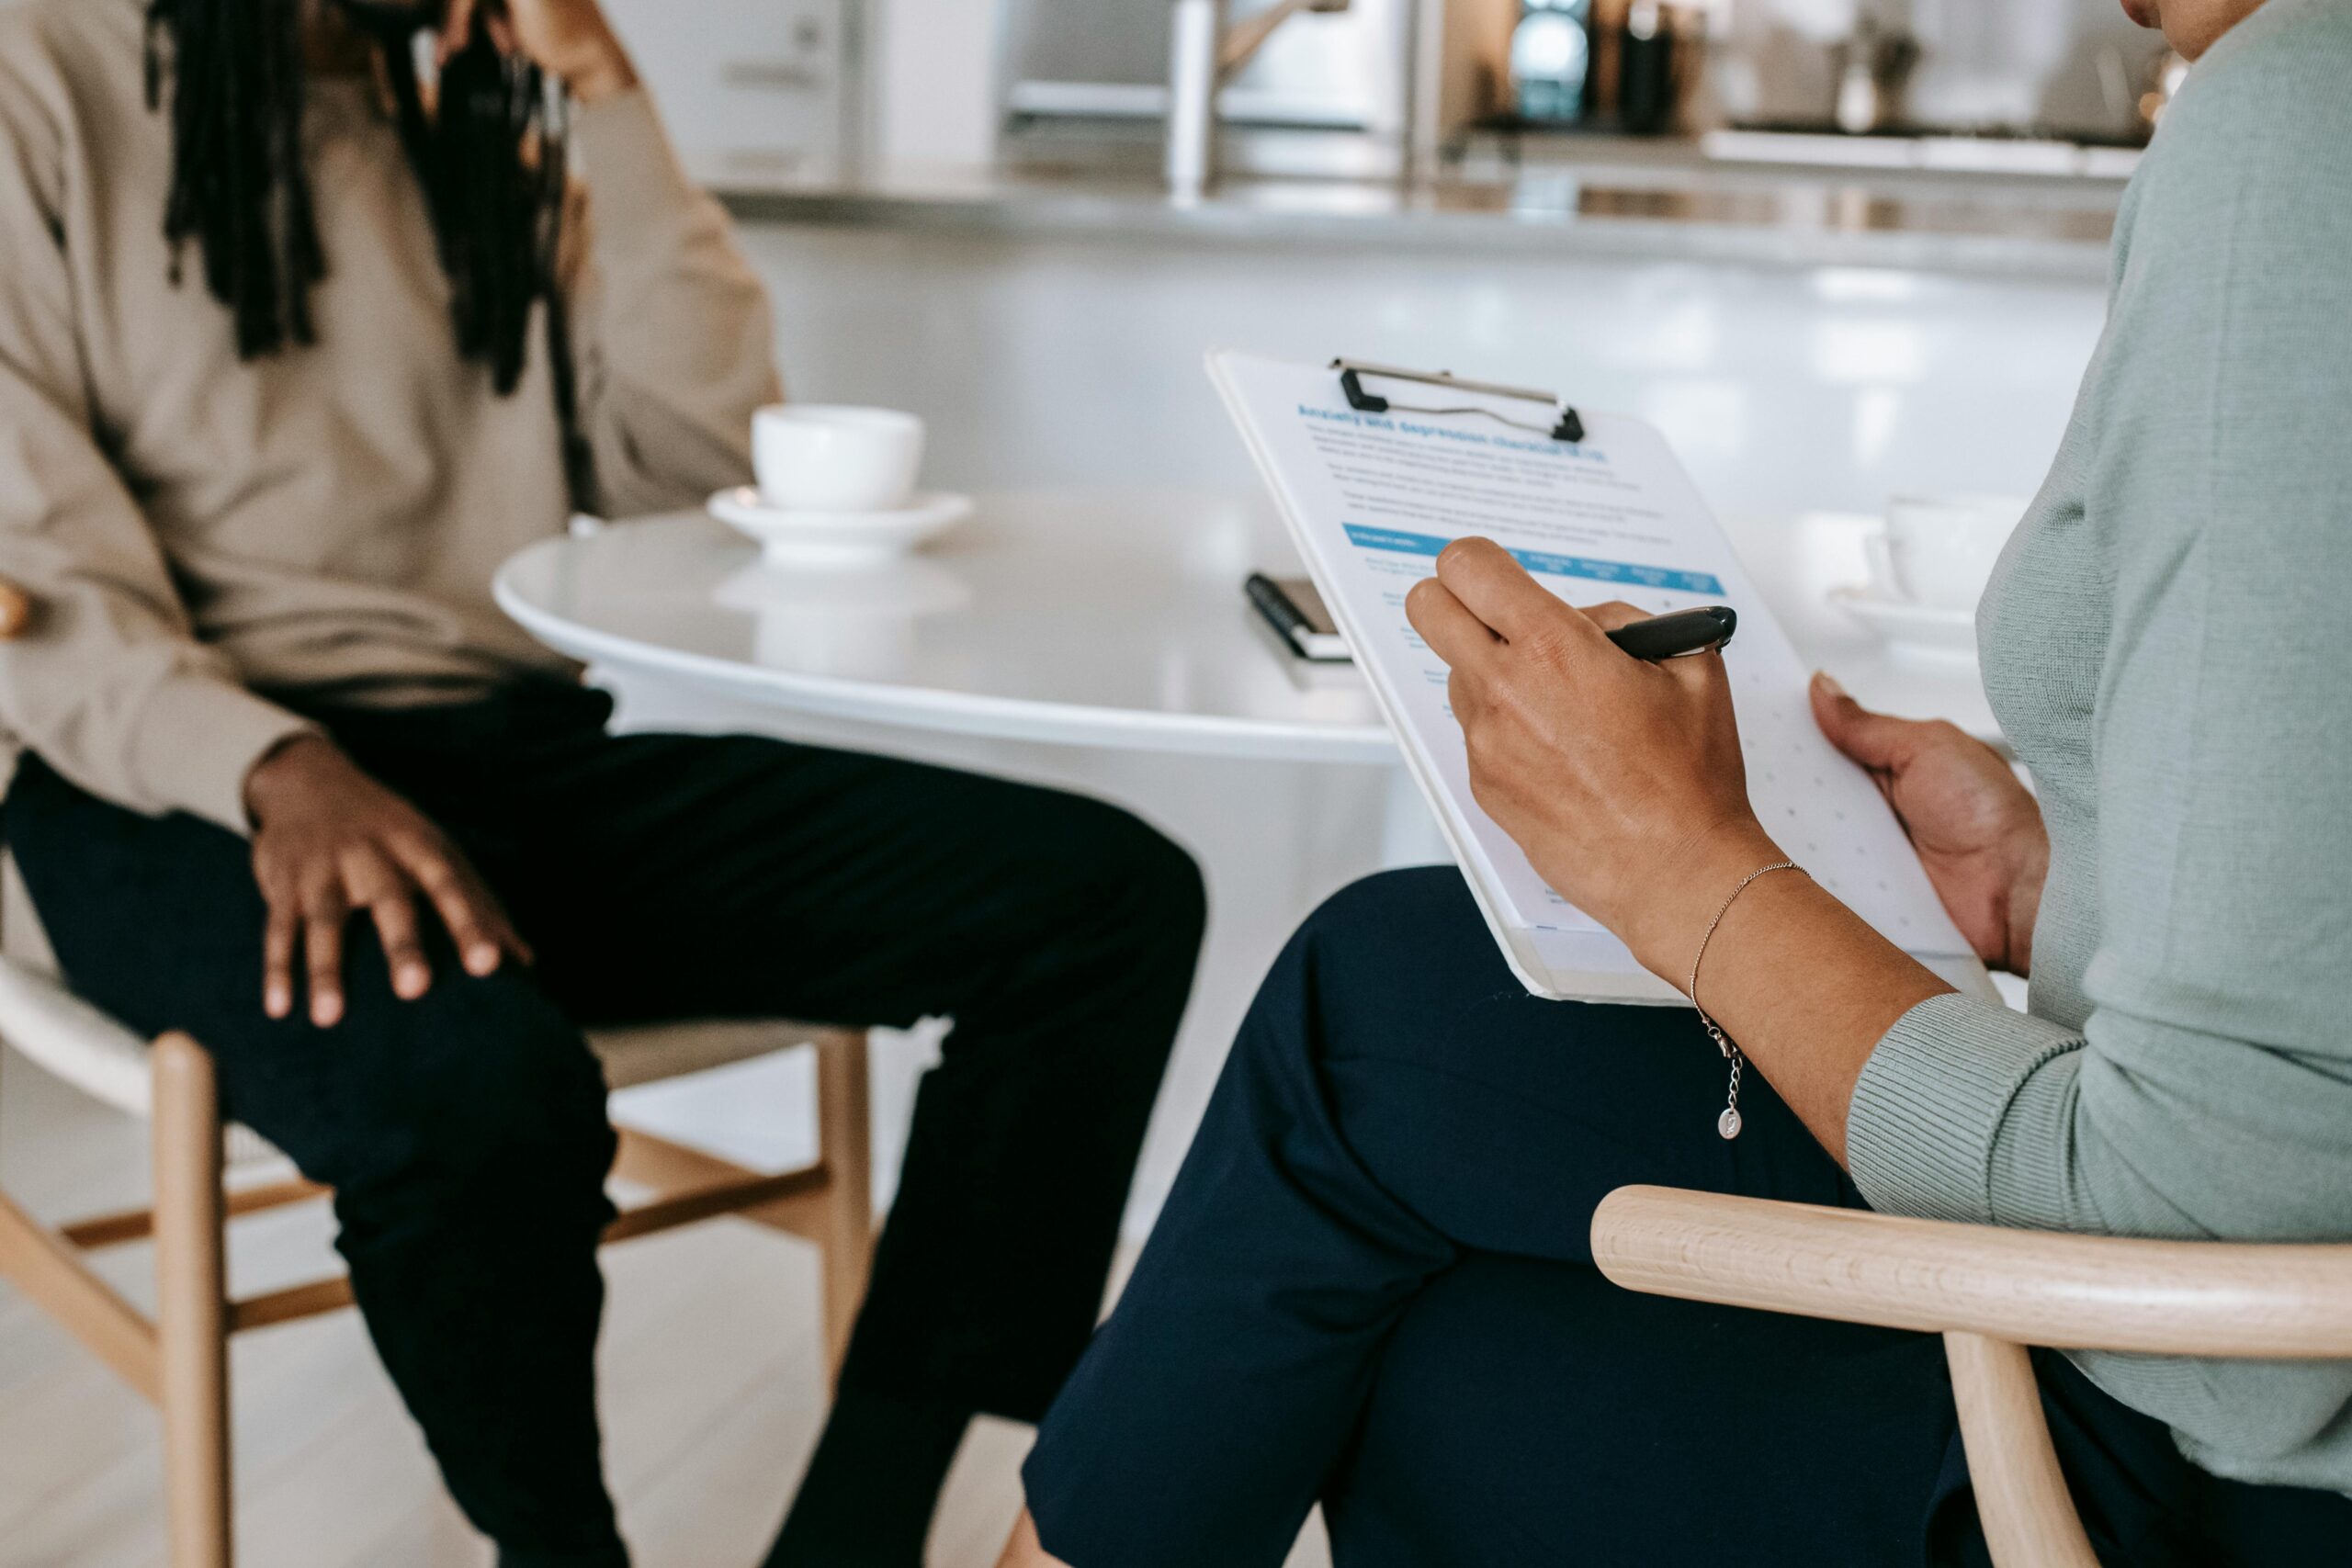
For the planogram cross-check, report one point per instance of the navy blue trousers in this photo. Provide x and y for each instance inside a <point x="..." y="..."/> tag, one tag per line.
<point x="1372" y="1287"/>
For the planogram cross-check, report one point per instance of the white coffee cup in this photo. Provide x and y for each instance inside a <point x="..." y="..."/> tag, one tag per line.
<point x="831" y="457"/>
<point x="1939" y="550"/>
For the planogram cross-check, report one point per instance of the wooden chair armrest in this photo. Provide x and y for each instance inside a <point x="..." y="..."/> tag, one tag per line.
<point x="2181" y="1297"/>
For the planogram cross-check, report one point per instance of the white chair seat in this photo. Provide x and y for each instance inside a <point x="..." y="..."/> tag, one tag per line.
<point x="74" y="1039"/>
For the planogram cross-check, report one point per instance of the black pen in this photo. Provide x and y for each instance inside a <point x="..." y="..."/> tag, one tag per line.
<point x="1706" y="628"/>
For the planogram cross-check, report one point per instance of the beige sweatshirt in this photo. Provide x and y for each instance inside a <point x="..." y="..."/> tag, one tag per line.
<point x="196" y="530"/>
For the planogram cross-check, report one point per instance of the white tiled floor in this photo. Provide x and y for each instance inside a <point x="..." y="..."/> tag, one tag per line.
<point x="712" y="1396"/>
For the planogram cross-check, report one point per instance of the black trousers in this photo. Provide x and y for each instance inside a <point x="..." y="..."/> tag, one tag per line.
<point x="660" y="877"/>
<point x="1372" y="1286"/>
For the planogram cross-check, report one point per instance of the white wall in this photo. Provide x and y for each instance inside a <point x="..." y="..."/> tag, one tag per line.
<point x="1079" y="360"/>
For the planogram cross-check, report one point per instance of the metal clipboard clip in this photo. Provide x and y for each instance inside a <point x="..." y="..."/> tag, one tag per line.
<point x="1566" y="424"/>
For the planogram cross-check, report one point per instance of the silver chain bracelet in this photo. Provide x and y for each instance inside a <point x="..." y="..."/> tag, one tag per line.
<point x="1728" y="1123"/>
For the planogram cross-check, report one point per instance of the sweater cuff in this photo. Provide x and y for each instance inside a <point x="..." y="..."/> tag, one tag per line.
<point x="198" y="736"/>
<point x="1928" y="1110"/>
<point x="641" y="194"/>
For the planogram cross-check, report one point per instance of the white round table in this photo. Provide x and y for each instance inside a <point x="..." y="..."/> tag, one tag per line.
<point x="1091" y="617"/>
<point x="1083" y="617"/>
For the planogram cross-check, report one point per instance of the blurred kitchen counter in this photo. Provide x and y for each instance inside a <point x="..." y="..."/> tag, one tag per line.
<point x="1666" y="205"/>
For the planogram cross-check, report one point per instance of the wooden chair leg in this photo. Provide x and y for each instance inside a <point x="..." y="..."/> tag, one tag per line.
<point x="2021" y="1498"/>
<point x="191" y="1304"/>
<point x="845" y="1140"/>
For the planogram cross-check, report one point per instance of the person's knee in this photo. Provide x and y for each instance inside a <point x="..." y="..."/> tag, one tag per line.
<point x="1371" y="953"/>
<point x="1135" y="881"/>
<point x="481" y="1086"/>
<point x="1164" y="880"/>
<point x="1389" y="909"/>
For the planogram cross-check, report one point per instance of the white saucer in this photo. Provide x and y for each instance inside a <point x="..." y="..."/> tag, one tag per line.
<point x="1924" y="633"/>
<point x="789" y="537"/>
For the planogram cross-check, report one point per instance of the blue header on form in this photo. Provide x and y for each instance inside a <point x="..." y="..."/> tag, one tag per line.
<point x="1543" y="563"/>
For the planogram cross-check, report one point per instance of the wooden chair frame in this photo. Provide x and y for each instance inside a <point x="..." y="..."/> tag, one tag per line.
<point x="1990" y="1293"/>
<point x="178" y="1359"/>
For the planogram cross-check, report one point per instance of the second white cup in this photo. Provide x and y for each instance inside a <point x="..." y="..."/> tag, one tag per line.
<point x="1939" y="550"/>
<point x="831" y="457"/>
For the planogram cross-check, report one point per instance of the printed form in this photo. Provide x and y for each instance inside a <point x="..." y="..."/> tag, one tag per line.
<point x="1372" y="498"/>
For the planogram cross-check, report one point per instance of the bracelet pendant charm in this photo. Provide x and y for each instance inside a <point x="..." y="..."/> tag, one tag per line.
<point x="1728" y="1123"/>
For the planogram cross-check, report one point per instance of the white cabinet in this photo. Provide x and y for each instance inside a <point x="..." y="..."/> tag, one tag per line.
<point x="751" y="89"/>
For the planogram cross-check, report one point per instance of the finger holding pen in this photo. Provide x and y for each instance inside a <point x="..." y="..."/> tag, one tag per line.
<point x="1622" y="779"/>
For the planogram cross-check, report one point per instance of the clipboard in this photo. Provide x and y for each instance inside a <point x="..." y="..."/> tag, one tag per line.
<point x="1372" y="486"/>
<point x="1566" y="424"/>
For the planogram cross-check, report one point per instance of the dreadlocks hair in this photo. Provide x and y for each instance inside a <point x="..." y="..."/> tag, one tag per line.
<point x="489" y="154"/>
<point x="238" y="186"/>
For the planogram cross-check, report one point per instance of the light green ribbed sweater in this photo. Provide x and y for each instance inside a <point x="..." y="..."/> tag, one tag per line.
<point x="2167" y="644"/>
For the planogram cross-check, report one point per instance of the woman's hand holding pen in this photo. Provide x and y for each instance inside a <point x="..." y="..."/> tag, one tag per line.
<point x="1622" y="780"/>
<point x="1623" y="783"/>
